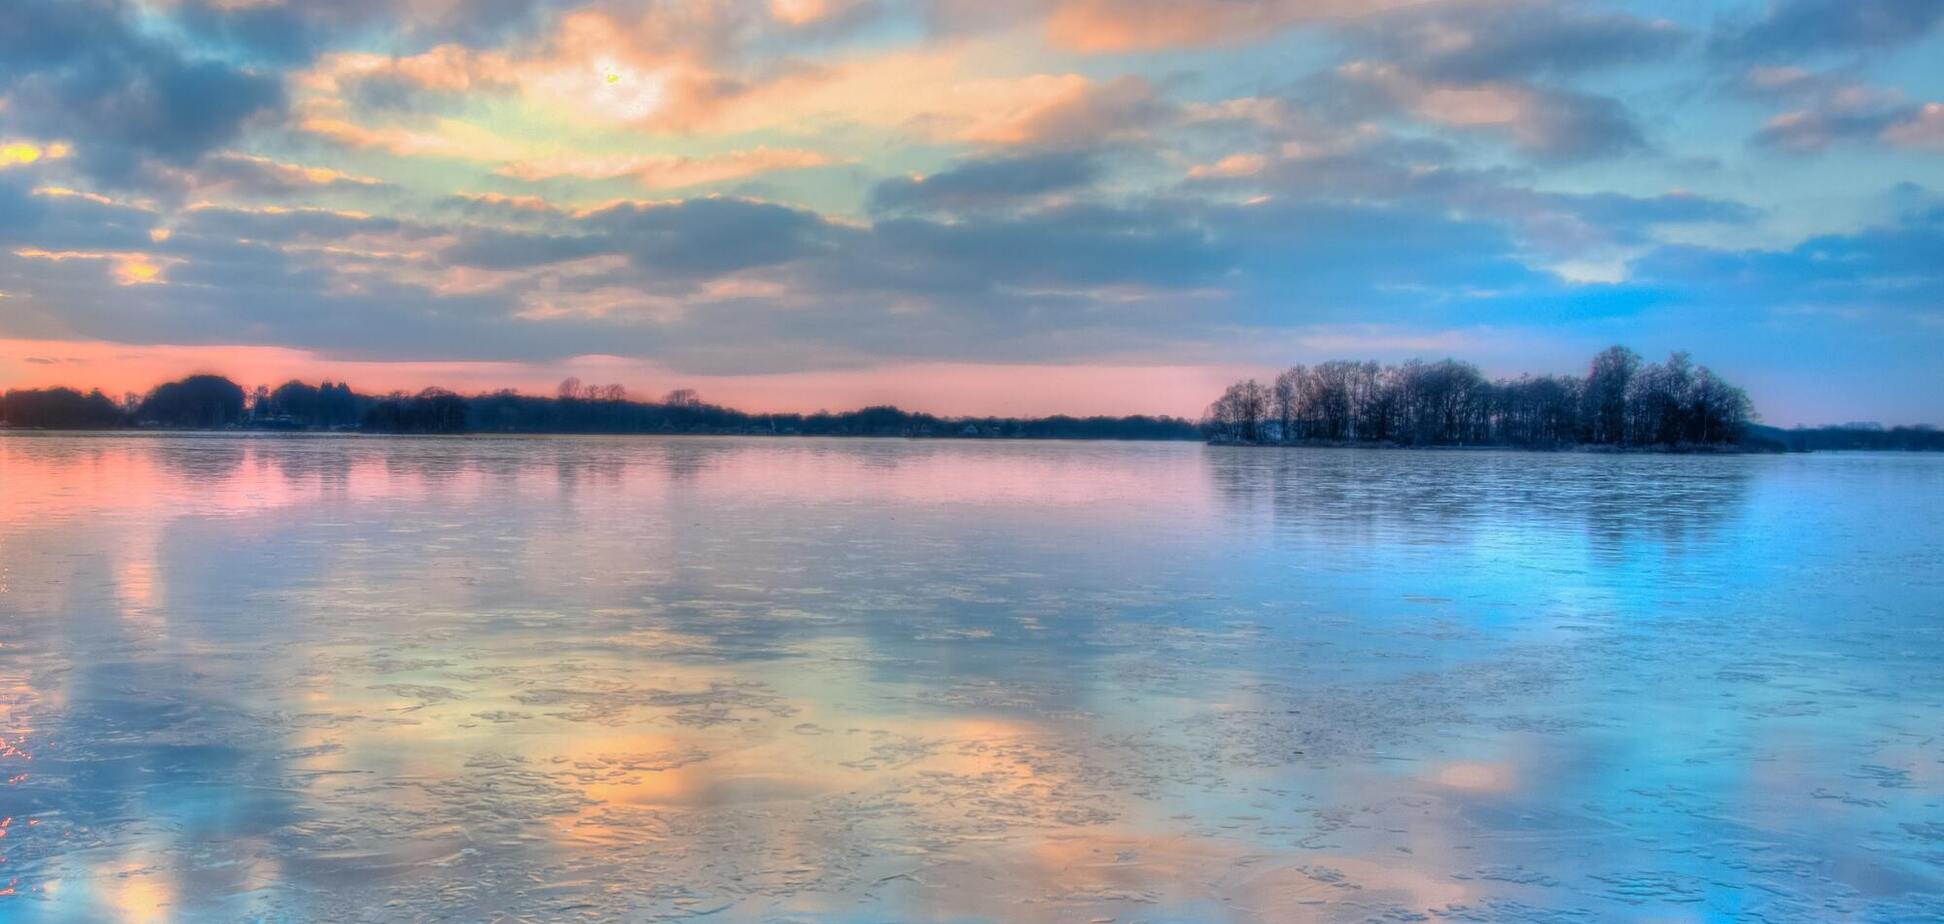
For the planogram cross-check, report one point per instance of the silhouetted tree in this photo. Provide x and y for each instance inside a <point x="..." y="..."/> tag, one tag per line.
<point x="433" y="410"/>
<point x="1240" y="413"/>
<point x="60" y="409"/>
<point x="205" y="401"/>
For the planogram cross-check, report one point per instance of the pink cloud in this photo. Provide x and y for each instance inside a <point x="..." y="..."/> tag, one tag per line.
<point x="1923" y="128"/>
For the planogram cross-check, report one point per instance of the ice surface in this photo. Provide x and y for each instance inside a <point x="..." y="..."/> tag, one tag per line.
<point x="348" y="679"/>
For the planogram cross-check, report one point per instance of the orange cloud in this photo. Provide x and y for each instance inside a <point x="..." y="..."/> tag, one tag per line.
<point x="667" y="72"/>
<point x="800" y="13"/>
<point x="1529" y="116"/>
<point x="1232" y="166"/>
<point x="1146" y="25"/>
<point x="232" y="169"/>
<point x="941" y="94"/>
<point x="667" y="171"/>
<point x="450" y="68"/>
<point x="398" y="141"/>
<point x="1076" y="111"/>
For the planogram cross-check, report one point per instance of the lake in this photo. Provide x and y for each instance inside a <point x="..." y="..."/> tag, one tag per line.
<point x="640" y="679"/>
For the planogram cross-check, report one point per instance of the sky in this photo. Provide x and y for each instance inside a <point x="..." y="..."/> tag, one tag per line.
<point x="972" y="206"/>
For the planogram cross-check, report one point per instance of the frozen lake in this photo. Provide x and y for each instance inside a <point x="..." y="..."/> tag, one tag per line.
<point x="560" y="679"/>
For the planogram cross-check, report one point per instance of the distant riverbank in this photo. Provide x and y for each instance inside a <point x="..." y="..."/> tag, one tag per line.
<point x="211" y="402"/>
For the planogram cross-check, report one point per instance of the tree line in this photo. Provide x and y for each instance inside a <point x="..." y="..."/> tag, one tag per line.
<point x="1620" y="402"/>
<point x="215" y="402"/>
<point x="1849" y="436"/>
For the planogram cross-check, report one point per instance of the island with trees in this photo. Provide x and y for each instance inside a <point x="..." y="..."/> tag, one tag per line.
<point x="1621" y="403"/>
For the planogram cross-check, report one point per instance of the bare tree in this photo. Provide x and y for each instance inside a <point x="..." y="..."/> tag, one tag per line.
<point x="1288" y="401"/>
<point x="1604" y="400"/>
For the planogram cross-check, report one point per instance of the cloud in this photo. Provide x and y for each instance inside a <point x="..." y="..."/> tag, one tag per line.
<point x="1923" y="128"/>
<point x="1547" y="123"/>
<point x="726" y="285"/>
<point x="1791" y="28"/>
<point x="680" y="241"/>
<point x="1108" y="26"/>
<point x="58" y="219"/>
<point x="1064" y="250"/>
<point x="284" y="32"/>
<point x="1828" y="110"/>
<point x="1500" y="68"/>
<point x="680" y="71"/>
<point x="20" y="153"/>
<point x="820" y="14"/>
<point x="250" y="175"/>
<point x="661" y="171"/>
<point x="989" y="181"/>
<point x="80" y="71"/>
<point x="126" y="268"/>
<point x="1887" y="271"/>
<point x="1081" y="113"/>
<point x="1481" y="42"/>
<point x="593" y="66"/>
<point x="278" y="224"/>
<point x="1303" y="160"/>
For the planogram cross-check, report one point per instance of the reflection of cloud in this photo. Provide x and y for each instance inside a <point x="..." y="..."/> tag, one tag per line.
<point x="137" y="893"/>
<point x="137" y="581"/>
<point x="1477" y="777"/>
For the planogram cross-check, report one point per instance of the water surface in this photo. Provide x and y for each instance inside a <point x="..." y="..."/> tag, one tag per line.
<point x="555" y="679"/>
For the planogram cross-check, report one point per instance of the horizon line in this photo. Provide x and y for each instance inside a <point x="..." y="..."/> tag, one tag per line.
<point x="637" y="397"/>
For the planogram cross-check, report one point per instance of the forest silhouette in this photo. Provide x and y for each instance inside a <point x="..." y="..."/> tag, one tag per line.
<point x="1621" y="402"/>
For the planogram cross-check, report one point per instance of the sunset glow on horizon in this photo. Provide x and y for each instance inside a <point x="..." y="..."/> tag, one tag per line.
<point x="1014" y="207"/>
